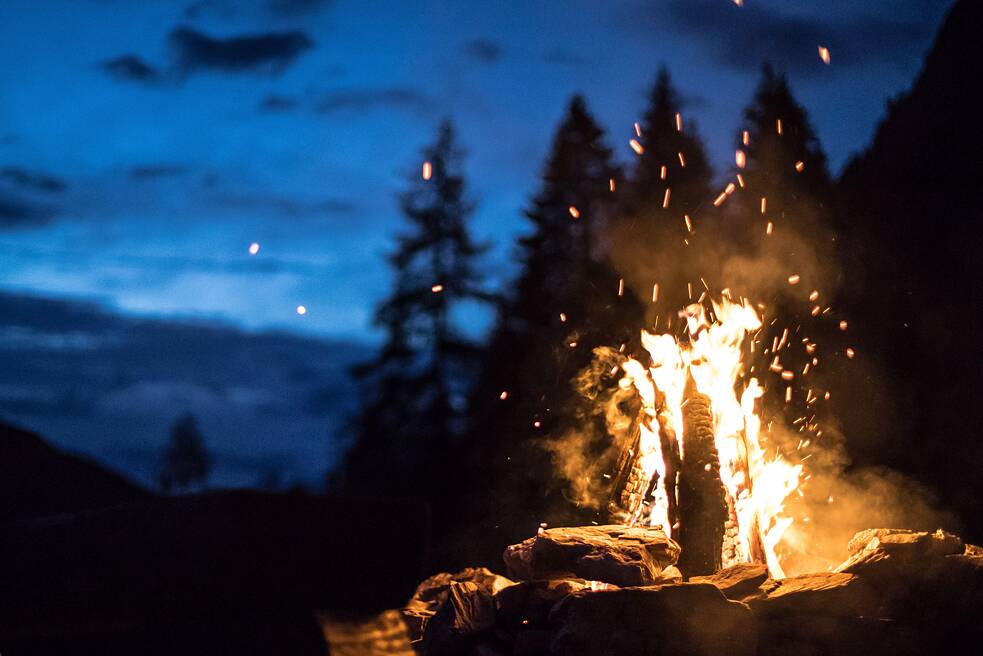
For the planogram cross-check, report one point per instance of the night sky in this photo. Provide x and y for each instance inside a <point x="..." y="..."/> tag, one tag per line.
<point x="145" y="145"/>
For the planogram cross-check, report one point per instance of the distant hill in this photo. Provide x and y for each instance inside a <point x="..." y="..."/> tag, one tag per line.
<point x="36" y="479"/>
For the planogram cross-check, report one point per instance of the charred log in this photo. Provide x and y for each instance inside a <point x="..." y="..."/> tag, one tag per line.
<point x="702" y="499"/>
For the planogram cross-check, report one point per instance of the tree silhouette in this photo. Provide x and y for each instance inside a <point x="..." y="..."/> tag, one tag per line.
<point x="664" y="140"/>
<point x="786" y="167"/>
<point x="565" y="302"/>
<point x="186" y="462"/>
<point x="416" y="389"/>
<point x="670" y="184"/>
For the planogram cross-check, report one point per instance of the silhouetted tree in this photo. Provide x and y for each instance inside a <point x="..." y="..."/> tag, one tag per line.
<point x="651" y="241"/>
<point x="416" y="389"/>
<point x="674" y="147"/>
<point x="786" y="166"/>
<point x="565" y="303"/>
<point x="186" y="462"/>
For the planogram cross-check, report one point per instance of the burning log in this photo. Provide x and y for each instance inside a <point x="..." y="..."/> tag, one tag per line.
<point x="702" y="498"/>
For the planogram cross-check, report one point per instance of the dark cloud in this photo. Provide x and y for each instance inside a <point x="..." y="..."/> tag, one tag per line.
<point x="363" y="100"/>
<point x="130" y="68"/>
<point x="274" y="103"/>
<point x="110" y="385"/>
<point x="155" y="171"/>
<point x="743" y="37"/>
<point x="563" y="57"/>
<point x="483" y="50"/>
<point x="269" y="52"/>
<point x="33" y="180"/>
<point x="18" y="212"/>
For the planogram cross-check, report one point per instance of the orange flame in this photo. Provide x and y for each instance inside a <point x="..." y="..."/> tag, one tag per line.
<point x="757" y="486"/>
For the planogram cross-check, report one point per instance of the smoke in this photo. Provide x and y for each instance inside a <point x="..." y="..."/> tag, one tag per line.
<point x="836" y="500"/>
<point x="730" y="249"/>
<point x="585" y="457"/>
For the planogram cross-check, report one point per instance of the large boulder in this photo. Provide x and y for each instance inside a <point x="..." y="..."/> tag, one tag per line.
<point x="691" y="619"/>
<point x="621" y="555"/>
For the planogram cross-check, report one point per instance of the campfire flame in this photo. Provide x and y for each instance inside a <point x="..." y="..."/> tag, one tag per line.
<point x="711" y="360"/>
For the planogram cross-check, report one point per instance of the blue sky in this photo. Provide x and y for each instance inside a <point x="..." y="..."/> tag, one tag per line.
<point x="144" y="146"/>
<point x="171" y="157"/>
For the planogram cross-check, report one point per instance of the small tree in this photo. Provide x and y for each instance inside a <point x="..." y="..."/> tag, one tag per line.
<point x="186" y="462"/>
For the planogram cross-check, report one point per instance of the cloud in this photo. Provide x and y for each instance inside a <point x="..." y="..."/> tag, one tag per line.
<point x="274" y="103"/>
<point x="742" y="38"/>
<point x="363" y="100"/>
<point x="19" y="212"/>
<point x="483" y="50"/>
<point x="130" y="68"/>
<point x="33" y="180"/>
<point x="284" y="205"/>
<point x="110" y="385"/>
<point x="563" y="57"/>
<point x="270" y="52"/>
<point x="156" y="171"/>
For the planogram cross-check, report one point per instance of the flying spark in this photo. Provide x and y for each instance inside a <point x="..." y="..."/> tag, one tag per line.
<point x="253" y="248"/>
<point x="427" y="170"/>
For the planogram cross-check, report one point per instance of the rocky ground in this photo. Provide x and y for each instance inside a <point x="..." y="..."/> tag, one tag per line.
<point x="615" y="590"/>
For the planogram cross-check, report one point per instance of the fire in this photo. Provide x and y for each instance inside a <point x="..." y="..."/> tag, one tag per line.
<point x="710" y="363"/>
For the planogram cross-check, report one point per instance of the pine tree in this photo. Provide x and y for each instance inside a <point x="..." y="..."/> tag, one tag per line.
<point x="565" y="302"/>
<point x="670" y="193"/>
<point x="786" y="167"/>
<point x="785" y="163"/>
<point x="186" y="462"/>
<point x="673" y="156"/>
<point x="416" y="389"/>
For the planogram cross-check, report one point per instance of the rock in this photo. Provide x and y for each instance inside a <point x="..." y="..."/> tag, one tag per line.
<point x="533" y="642"/>
<point x="416" y="622"/>
<point x="432" y="592"/>
<point x="381" y="635"/>
<point x="468" y="611"/>
<point x="831" y="594"/>
<point x="622" y="555"/>
<point x="684" y="619"/>
<point x="528" y="604"/>
<point x="737" y="581"/>
<point x="671" y="574"/>
<point x="872" y="549"/>
<point x="843" y="636"/>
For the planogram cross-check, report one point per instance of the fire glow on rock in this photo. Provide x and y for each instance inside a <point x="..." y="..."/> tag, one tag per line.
<point x="710" y="363"/>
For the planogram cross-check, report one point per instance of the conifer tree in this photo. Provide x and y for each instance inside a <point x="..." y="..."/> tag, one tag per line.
<point x="786" y="167"/>
<point x="186" y="462"/>
<point x="673" y="156"/>
<point x="416" y="390"/>
<point x="564" y="303"/>
<point x="670" y="193"/>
